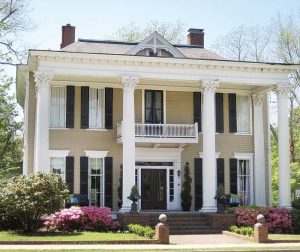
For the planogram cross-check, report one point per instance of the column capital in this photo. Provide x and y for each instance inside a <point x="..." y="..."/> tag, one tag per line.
<point x="42" y="80"/>
<point x="258" y="99"/>
<point x="283" y="88"/>
<point x="129" y="82"/>
<point x="210" y="85"/>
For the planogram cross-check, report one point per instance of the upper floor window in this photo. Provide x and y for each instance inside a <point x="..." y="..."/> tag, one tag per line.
<point x="96" y="108"/>
<point x="239" y="114"/>
<point x="58" y="107"/>
<point x="154" y="113"/>
<point x="243" y="113"/>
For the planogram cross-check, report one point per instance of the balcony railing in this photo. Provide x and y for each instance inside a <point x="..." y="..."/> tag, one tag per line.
<point x="181" y="133"/>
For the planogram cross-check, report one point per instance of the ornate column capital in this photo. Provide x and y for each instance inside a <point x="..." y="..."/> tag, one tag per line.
<point x="210" y="85"/>
<point x="42" y="80"/>
<point x="129" y="82"/>
<point x="258" y="99"/>
<point x="283" y="88"/>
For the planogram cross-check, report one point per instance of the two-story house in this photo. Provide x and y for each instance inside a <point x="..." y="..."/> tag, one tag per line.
<point x="97" y="109"/>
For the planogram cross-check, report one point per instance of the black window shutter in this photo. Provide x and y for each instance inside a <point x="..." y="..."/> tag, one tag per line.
<point x="198" y="184"/>
<point x="219" y="113"/>
<point x="233" y="175"/>
<point x="197" y="110"/>
<point x="220" y="171"/>
<point x="108" y="108"/>
<point x="108" y="181"/>
<point x="70" y="107"/>
<point x="232" y="113"/>
<point x="70" y="173"/>
<point x="84" y="171"/>
<point x="84" y="107"/>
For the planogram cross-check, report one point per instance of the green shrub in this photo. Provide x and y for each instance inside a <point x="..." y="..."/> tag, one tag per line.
<point x="241" y="230"/>
<point x="141" y="230"/>
<point x="27" y="198"/>
<point x="296" y="220"/>
<point x="296" y="203"/>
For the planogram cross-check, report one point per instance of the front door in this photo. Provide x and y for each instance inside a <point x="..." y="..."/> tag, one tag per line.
<point x="154" y="189"/>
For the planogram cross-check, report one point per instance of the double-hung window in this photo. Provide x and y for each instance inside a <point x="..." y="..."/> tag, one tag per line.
<point x="58" y="107"/>
<point x="243" y="181"/>
<point x="243" y="113"/>
<point x="58" y="166"/>
<point x="96" y="108"/>
<point x="96" y="181"/>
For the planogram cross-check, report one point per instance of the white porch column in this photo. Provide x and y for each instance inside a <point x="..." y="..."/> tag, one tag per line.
<point x="128" y="136"/>
<point x="259" y="149"/>
<point x="25" y="145"/>
<point x="283" y="146"/>
<point x="41" y="141"/>
<point x="209" y="169"/>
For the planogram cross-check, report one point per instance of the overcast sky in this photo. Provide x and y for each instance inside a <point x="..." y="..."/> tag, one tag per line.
<point x="97" y="19"/>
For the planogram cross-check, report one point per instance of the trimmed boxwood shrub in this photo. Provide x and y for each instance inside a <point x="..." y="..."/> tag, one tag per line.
<point x="24" y="199"/>
<point x="145" y="231"/>
<point x="242" y="230"/>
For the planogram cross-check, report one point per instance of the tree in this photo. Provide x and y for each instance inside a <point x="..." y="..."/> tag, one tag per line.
<point x="13" y="20"/>
<point x="174" y="33"/>
<point x="10" y="132"/>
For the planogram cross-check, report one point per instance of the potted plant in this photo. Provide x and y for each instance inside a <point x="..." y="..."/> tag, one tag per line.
<point x="120" y="189"/>
<point x="134" y="197"/>
<point x="186" y="196"/>
<point x="221" y="199"/>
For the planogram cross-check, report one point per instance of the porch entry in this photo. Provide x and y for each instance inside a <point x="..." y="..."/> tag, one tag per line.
<point x="154" y="189"/>
<point x="156" y="184"/>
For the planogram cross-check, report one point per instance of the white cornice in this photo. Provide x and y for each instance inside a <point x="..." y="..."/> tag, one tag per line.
<point x="158" y="68"/>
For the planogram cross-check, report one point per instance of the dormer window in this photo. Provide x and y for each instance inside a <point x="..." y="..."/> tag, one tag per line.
<point x="153" y="53"/>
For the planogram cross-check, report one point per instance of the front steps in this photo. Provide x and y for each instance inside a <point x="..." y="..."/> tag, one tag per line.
<point x="182" y="222"/>
<point x="190" y="223"/>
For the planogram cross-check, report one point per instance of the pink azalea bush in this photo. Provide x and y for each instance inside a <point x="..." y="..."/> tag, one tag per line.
<point x="81" y="219"/>
<point x="279" y="220"/>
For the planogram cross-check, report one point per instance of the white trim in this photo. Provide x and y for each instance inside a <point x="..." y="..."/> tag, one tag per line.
<point x="96" y="154"/>
<point x="165" y="106"/>
<point x="166" y="46"/>
<point x="96" y="129"/>
<point x="143" y="105"/>
<point x="243" y="155"/>
<point x="217" y="154"/>
<point x="59" y="153"/>
<point x="158" y="154"/>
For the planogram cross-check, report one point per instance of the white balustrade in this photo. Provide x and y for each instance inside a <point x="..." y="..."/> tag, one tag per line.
<point x="163" y="130"/>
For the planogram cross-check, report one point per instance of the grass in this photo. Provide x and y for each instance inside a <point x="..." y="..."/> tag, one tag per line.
<point x="80" y="236"/>
<point x="284" y="236"/>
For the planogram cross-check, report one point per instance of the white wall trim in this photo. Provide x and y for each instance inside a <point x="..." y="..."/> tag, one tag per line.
<point x="96" y="154"/>
<point x="58" y="153"/>
<point x="217" y="154"/>
<point x="243" y="156"/>
<point x="158" y="154"/>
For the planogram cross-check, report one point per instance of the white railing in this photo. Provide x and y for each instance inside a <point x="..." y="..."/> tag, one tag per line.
<point x="163" y="130"/>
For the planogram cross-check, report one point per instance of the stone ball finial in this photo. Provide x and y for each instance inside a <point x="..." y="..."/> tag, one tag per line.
<point x="260" y="219"/>
<point x="163" y="218"/>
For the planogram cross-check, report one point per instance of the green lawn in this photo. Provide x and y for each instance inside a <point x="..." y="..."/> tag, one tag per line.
<point x="284" y="236"/>
<point x="81" y="236"/>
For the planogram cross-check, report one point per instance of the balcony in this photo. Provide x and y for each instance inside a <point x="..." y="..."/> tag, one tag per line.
<point x="163" y="133"/>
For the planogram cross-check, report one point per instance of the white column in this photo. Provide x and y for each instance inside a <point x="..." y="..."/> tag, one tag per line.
<point x="259" y="149"/>
<point x="26" y="104"/>
<point x="283" y="146"/>
<point x="209" y="169"/>
<point x="128" y="136"/>
<point x="41" y="141"/>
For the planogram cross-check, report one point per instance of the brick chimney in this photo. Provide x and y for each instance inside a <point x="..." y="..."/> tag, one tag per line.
<point x="68" y="35"/>
<point x="196" y="37"/>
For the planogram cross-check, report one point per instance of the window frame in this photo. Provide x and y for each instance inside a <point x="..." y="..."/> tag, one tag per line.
<point x="102" y="109"/>
<point x="51" y="119"/>
<point x="59" y="154"/>
<point x="250" y="116"/>
<point x="247" y="157"/>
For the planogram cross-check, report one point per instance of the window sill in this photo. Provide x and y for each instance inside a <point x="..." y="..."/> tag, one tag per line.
<point x="243" y="134"/>
<point x="58" y="128"/>
<point x="96" y="129"/>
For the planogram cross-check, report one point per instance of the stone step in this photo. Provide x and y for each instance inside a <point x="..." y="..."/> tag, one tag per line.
<point x="194" y="231"/>
<point x="188" y="223"/>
